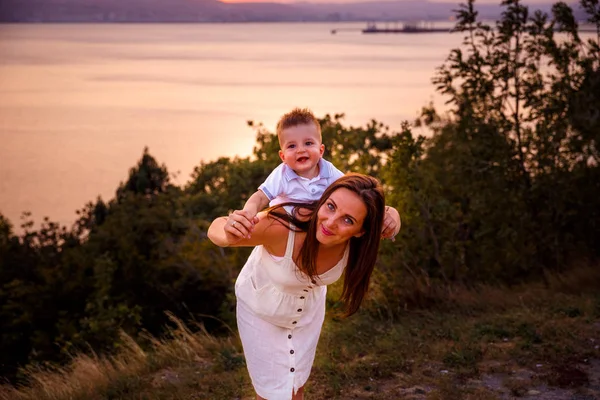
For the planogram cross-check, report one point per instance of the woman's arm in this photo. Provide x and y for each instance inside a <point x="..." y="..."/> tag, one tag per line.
<point x="235" y="230"/>
<point x="218" y="234"/>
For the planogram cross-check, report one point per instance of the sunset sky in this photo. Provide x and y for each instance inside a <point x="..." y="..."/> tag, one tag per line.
<point x="366" y="1"/>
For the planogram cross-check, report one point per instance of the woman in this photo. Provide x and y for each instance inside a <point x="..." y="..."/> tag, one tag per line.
<point x="281" y="289"/>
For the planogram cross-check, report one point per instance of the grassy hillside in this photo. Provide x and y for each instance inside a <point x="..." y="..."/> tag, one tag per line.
<point x="488" y="343"/>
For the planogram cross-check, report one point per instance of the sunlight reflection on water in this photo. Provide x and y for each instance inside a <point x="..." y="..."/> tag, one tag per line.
<point x="78" y="102"/>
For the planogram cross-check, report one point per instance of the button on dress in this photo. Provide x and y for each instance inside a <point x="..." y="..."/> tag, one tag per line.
<point x="279" y="315"/>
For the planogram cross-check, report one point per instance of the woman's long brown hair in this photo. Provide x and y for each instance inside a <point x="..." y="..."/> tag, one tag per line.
<point x="363" y="249"/>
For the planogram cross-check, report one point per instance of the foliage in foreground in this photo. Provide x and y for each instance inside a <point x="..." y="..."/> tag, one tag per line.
<point x="485" y="343"/>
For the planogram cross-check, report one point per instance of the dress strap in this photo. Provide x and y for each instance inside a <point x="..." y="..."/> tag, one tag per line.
<point x="289" y="250"/>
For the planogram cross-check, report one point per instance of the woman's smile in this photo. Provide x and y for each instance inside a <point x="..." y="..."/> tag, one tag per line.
<point x="326" y="231"/>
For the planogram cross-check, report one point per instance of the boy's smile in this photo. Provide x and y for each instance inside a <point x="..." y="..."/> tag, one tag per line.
<point x="301" y="149"/>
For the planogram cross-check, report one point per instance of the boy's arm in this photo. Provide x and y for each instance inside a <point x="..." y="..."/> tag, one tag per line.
<point x="256" y="203"/>
<point x="260" y="200"/>
<point x="391" y="223"/>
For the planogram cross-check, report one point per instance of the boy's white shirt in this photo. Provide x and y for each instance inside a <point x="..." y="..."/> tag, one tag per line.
<point x="283" y="184"/>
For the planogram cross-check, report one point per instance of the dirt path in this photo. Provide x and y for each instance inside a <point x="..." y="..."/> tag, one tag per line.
<point x="579" y="381"/>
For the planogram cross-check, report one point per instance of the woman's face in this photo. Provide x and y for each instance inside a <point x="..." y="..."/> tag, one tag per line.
<point x="340" y="218"/>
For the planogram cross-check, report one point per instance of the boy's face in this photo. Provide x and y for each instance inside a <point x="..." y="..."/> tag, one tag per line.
<point x="301" y="149"/>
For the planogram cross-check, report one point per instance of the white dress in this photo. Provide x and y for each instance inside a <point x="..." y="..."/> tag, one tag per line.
<point x="279" y="315"/>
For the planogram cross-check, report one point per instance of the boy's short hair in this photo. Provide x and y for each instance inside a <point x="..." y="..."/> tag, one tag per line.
<point x="298" y="116"/>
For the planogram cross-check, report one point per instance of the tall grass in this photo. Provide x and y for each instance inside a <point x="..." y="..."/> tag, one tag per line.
<point x="89" y="376"/>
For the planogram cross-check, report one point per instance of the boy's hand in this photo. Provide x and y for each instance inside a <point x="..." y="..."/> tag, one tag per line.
<point x="240" y="224"/>
<point x="391" y="223"/>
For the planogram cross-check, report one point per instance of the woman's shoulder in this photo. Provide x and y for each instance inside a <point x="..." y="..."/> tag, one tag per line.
<point x="274" y="233"/>
<point x="271" y="229"/>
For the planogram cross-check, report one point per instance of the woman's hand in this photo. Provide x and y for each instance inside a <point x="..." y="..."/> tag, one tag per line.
<point x="239" y="229"/>
<point x="240" y="225"/>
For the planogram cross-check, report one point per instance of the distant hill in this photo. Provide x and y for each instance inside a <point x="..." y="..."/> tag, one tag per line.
<point x="216" y="11"/>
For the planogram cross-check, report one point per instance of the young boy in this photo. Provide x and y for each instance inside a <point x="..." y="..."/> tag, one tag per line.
<point x="303" y="174"/>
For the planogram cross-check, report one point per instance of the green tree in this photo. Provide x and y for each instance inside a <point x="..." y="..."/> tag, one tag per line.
<point x="148" y="178"/>
<point x="356" y="149"/>
<point x="498" y="190"/>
